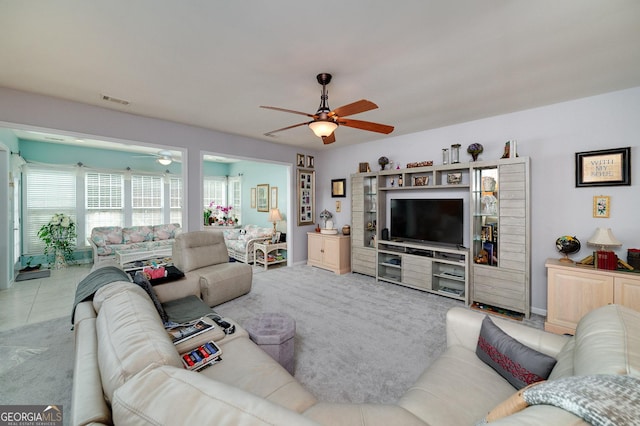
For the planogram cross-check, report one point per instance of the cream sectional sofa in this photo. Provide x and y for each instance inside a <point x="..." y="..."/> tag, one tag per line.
<point x="128" y="372"/>
<point x="105" y="240"/>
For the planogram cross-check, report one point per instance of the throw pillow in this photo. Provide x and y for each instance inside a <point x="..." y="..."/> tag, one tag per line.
<point x="518" y="364"/>
<point x="140" y="279"/>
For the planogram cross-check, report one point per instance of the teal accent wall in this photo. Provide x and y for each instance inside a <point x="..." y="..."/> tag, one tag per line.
<point x="53" y="153"/>
<point x="254" y="173"/>
<point x="9" y="139"/>
<point x="210" y="168"/>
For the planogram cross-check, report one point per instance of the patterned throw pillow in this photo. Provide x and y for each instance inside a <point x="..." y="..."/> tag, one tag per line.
<point x="518" y="364"/>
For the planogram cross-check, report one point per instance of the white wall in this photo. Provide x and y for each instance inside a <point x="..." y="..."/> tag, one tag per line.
<point x="551" y="136"/>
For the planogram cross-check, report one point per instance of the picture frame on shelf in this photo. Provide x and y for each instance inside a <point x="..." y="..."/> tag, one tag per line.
<point x="306" y="181"/>
<point x="274" y="197"/>
<point x="338" y="188"/>
<point x="454" y="178"/>
<point x="606" y="167"/>
<point x="262" y="197"/>
<point x="364" y="168"/>
<point x="253" y="198"/>
<point x="421" y="180"/>
<point x="601" y="206"/>
<point x="300" y="160"/>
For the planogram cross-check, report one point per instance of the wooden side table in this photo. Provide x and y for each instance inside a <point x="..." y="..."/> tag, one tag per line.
<point x="279" y="251"/>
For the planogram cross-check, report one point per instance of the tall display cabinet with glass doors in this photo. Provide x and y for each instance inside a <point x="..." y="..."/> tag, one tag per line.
<point x="364" y="229"/>
<point x="501" y="234"/>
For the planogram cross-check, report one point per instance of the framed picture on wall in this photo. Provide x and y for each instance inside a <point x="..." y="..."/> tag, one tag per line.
<point x="607" y="167"/>
<point x="305" y="181"/>
<point x="338" y="188"/>
<point x="262" y="197"/>
<point x="274" y="197"/>
<point x="601" y="206"/>
<point x="253" y="198"/>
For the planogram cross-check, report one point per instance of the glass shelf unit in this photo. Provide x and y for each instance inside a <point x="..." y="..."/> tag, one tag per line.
<point x="485" y="218"/>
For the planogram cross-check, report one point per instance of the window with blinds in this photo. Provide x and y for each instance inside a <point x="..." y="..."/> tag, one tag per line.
<point x="146" y="200"/>
<point x="214" y="190"/>
<point x="175" y="200"/>
<point x="47" y="192"/>
<point x="104" y="200"/>
<point x="235" y="197"/>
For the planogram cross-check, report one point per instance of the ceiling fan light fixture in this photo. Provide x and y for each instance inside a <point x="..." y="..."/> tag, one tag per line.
<point x="323" y="128"/>
<point x="165" y="160"/>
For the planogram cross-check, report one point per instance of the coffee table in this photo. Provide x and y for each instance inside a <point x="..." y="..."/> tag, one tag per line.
<point x="127" y="258"/>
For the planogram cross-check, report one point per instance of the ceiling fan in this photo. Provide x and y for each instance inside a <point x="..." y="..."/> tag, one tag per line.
<point x="326" y="121"/>
<point x="162" y="157"/>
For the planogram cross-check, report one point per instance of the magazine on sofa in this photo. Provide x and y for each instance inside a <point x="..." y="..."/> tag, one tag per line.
<point x="183" y="332"/>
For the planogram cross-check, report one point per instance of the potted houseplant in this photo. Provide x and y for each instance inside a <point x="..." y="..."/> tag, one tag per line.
<point x="59" y="239"/>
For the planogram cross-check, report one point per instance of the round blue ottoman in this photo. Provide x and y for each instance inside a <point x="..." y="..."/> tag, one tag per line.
<point x="274" y="333"/>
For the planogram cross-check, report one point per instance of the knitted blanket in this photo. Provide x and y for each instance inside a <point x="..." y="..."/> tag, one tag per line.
<point x="96" y="279"/>
<point x="601" y="400"/>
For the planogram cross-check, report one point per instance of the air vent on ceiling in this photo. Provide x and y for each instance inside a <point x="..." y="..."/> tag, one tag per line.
<point x="116" y="100"/>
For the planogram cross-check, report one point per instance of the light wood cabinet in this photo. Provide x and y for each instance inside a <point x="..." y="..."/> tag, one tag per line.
<point x="330" y="252"/>
<point x="364" y="205"/>
<point x="501" y="234"/>
<point x="573" y="291"/>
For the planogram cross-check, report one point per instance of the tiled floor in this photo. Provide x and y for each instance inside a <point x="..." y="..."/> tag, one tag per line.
<point x="32" y="301"/>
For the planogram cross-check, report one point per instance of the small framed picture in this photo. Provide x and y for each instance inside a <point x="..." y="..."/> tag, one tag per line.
<point x="300" y="160"/>
<point x="601" y="206"/>
<point x="364" y="168"/>
<point x="274" y="197"/>
<point x="310" y="162"/>
<point x="607" y="167"/>
<point x="275" y="238"/>
<point x="253" y="198"/>
<point x="338" y="188"/>
<point x="454" y="178"/>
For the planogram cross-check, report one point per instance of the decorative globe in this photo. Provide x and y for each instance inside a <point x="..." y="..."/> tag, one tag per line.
<point x="567" y="245"/>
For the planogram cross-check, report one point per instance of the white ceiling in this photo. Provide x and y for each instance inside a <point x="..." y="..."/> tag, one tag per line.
<point x="426" y="63"/>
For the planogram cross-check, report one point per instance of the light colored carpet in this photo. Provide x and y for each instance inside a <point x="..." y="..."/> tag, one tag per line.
<point x="357" y="340"/>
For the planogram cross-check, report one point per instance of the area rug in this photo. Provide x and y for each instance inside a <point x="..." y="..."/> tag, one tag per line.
<point x="32" y="275"/>
<point x="36" y="365"/>
<point x="357" y="340"/>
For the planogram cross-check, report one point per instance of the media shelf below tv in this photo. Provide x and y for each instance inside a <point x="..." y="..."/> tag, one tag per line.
<point x="435" y="269"/>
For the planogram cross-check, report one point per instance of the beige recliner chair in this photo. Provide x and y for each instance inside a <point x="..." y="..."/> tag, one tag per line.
<point x="203" y="257"/>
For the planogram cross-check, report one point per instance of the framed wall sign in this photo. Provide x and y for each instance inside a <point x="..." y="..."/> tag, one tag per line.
<point x="338" y="188"/>
<point x="262" y="197"/>
<point x="306" y="196"/>
<point x="274" y="197"/>
<point x="601" y="206"/>
<point x="608" y="167"/>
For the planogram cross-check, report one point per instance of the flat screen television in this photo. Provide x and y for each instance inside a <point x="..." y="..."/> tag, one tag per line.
<point x="428" y="220"/>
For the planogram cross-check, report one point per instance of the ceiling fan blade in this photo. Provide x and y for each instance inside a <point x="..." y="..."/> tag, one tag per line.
<point x="288" y="110"/>
<point x="366" y="125"/>
<point x="329" y="139"/>
<point x="353" y="108"/>
<point x="286" y="128"/>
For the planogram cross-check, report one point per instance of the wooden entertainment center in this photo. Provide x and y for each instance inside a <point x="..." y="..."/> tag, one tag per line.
<point x="493" y="270"/>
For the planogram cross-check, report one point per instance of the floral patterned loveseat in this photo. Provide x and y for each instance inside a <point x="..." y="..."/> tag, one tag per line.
<point x="240" y="241"/>
<point x="105" y="240"/>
